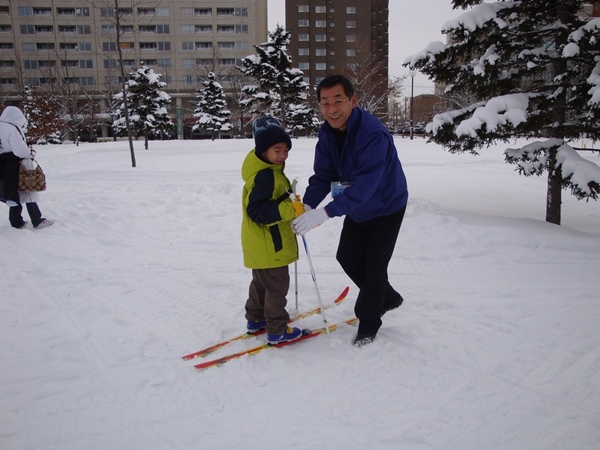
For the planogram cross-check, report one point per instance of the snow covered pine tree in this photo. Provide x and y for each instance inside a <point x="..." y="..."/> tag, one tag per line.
<point x="281" y="90"/>
<point x="211" y="111"/>
<point x="532" y="69"/>
<point x="147" y="103"/>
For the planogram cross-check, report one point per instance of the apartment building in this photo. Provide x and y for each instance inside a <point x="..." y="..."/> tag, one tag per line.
<point x="347" y="37"/>
<point x="48" y="42"/>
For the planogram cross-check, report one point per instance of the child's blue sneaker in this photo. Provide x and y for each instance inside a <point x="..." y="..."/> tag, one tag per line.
<point x="254" y="326"/>
<point x="291" y="334"/>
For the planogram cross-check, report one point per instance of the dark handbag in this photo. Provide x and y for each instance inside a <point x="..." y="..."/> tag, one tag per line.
<point x="32" y="180"/>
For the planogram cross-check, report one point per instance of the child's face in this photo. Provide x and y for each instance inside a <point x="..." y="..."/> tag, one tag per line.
<point x="277" y="154"/>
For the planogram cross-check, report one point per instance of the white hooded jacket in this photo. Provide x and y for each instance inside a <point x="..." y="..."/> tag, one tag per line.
<point x="12" y="139"/>
<point x="12" y="129"/>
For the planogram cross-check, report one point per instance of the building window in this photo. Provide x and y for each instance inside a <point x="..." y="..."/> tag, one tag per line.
<point x="303" y="66"/>
<point x="27" y="29"/>
<point x="350" y="9"/>
<point x="226" y="45"/>
<point x="30" y="65"/>
<point x="80" y="12"/>
<point x="44" y="46"/>
<point x="303" y="22"/>
<point x="67" y="46"/>
<point x="187" y="63"/>
<point x="320" y="52"/>
<point x="225" y="28"/>
<point x="350" y="23"/>
<point x="203" y="45"/>
<point x="303" y="51"/>
<point x="46" y="64"/>
<point x="188" y="79"/>
<point x="320" y="38"/>
<point x="203" y="28"/>
<point x="303" y="37"/>
<point x="241" y="45"/>
<point x="108" y="29"/>
<point x="320" y="66"/>
<point x="320" y="23"/>
<point x="111" y="63"/>
<point x="42" y="11"/>
<point x="303" y="8"/>
<point x="241" y="29"/>
<point x="350" y="52"/>
<point x="320" y="9"/>
<point x="25" y="11"/>
<point x="350" y="38"/>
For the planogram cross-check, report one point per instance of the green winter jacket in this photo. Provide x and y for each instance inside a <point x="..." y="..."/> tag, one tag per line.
<point x="267" y="237"/>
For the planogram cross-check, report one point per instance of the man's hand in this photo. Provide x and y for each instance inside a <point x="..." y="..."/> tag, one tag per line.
<point x="309" y="220"/>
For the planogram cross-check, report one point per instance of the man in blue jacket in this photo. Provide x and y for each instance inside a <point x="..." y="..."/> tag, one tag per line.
<point x="356" y="160"/>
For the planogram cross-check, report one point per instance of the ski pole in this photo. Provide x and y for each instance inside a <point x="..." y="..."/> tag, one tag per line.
<point x="296" y="283"/>
<point x="312" y="273"/>
<point x="296" y="197"/>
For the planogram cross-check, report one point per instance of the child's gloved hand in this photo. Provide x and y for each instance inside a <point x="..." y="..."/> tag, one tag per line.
<point x="298" y="207"/>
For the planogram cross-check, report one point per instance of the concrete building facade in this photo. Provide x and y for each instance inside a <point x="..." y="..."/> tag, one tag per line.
<point x="49" y="42"/>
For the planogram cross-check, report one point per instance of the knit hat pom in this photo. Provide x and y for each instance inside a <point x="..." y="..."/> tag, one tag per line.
<point x="268" y="132"/>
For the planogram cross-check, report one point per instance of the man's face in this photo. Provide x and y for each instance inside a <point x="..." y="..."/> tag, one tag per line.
<point x="336" y="107"/>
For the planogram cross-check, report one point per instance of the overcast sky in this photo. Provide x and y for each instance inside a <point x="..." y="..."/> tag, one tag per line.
<point x="413" y="25"/>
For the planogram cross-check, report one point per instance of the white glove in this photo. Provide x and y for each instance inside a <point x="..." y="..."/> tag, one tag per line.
<point x="309" y="220"/>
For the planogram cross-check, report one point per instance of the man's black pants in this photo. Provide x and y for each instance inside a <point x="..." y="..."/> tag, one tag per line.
<point x="364" y="252"/>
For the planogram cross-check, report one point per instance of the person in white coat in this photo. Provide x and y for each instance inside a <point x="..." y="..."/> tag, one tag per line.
<point x="13" y="152"/>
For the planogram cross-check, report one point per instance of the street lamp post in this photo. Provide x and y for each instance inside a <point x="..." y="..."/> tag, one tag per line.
<point x="412" y="73"/>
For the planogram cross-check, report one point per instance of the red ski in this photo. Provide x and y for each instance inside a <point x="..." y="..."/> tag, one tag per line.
<point x="215" y="347"/>
<point x="308" y="334"/>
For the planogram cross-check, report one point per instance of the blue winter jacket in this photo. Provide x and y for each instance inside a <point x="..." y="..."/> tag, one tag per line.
<point x="368" y="163"/>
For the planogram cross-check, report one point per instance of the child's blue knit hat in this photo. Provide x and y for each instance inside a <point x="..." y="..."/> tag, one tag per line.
<point x="268" y="132"/>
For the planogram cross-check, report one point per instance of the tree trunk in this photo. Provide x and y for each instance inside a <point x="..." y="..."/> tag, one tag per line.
<point x="124" y="86"/>
<point x="554" y="192"/>
<point x="559" y="67"/>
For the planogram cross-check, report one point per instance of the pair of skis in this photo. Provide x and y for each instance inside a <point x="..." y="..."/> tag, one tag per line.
<point x="309" y="334"/>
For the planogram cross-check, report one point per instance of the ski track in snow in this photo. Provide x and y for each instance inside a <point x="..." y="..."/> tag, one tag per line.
<point x="495" y="346"/>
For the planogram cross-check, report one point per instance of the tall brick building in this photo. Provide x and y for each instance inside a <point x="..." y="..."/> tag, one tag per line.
<point x="339" y="36"/>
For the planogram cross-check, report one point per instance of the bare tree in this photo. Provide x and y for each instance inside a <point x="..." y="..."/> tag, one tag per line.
<point x="365" y="71"/>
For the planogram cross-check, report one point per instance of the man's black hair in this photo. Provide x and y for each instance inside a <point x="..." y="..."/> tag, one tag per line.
<point x="333" y="80"/>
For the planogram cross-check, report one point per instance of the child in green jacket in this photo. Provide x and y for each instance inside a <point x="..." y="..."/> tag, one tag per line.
<point x="268" y="241"/>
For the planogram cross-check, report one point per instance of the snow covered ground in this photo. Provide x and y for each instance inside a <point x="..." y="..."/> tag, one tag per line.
<point x="495" y="347"/>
